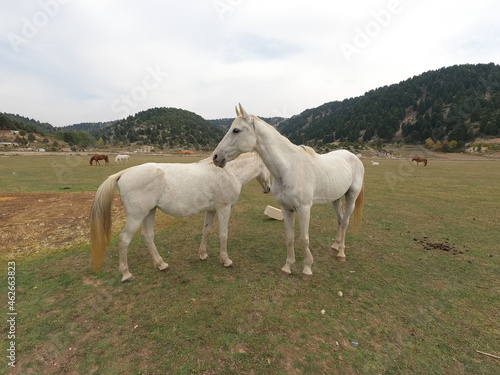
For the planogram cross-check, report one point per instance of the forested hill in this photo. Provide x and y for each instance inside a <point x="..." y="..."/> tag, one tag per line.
<point x="226" y="122"/>
<point x="456" y="103"/>
<point x="165" y="128"/>
<point x="91" y="127"/>
<point x="10" y="121"/>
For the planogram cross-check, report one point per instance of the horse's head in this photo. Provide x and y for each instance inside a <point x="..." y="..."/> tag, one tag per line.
<point x="264" y="178"/>
<point x="240" y="138"/>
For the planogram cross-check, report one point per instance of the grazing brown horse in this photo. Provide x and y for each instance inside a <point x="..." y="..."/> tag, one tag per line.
<point x="98" y="157"/>
<point x="420" y="160"/>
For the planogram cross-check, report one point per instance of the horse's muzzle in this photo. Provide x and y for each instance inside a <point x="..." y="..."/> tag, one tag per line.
<point x="219" y="160"/>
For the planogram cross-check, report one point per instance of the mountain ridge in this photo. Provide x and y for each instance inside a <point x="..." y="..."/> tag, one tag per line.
<point x="459" y="103"/>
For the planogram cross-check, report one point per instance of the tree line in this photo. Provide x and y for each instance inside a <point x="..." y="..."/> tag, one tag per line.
<point x="454" y="104"/>
<point x="457" y="103"/>
<point x="163" y="128"/>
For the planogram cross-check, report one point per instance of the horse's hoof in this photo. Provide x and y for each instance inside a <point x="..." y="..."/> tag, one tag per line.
<point x="341" y="259"/>
<point x="164" y="267"/>
<point x="285" y="274"/>
<point x="127" y="279"/>
<point x="204" y="257"/>
<point x="230" y="265"/>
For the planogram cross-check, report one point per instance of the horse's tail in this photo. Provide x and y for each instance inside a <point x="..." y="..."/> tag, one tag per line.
<point x="100" y="220"/>
<point x="358" y="209"/>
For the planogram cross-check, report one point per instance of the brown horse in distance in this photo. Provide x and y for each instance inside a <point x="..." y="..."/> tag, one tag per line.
<point x="420" y="160"/>
<point x="98" y="157"/>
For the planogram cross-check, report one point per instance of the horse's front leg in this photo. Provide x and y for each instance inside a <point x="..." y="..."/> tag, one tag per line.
<point x="207" y="225"/>
<point x="304" y="213"/>
<point x="223" y="215"/>
<point x="148" y="232"/>
<point x="289" y="219"/>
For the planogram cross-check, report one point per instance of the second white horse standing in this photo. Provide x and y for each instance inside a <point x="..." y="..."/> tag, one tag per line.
<point x="177" y="189"/>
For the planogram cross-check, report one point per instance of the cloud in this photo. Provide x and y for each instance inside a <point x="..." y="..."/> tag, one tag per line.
<point x="254" y="47"/>
<point x="81" y="57"/>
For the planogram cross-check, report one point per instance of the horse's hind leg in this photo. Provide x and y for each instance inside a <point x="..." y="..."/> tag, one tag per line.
<point x="343" y="224"/>
<point x="207" y="225"/>
<point x="339" y="210"/>
<point x="125" y="237"/>
<point x="148" y="232"/>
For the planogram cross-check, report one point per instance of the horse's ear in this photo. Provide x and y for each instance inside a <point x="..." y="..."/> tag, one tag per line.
<point x="237" y="112"/>
<point x="244" y="113"/>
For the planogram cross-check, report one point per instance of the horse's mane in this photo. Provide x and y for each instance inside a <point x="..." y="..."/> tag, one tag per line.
<point x="309" y="150"/>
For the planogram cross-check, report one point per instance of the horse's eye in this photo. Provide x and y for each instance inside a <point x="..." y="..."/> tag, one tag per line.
<point x="236" y="130"/>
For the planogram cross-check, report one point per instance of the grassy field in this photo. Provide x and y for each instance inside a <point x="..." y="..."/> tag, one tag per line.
<point x="408" y="305"/>
<point x="54" y="172"/>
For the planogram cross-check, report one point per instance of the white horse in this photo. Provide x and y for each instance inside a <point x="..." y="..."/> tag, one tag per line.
<point x="122" y="159"/>
<point x="301" y="178"/>
<point x="178" y="190"/>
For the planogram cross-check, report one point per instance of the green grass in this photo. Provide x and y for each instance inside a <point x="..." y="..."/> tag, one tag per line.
<point x="71" y="172"/>
<point x="410" y="310"/>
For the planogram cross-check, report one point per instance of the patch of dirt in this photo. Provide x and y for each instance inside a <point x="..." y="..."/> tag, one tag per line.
<point x="42" y="223"/>
<point x="443" y="246"/>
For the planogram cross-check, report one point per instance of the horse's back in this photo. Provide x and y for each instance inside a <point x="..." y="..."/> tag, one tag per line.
<point x="179" y="189"/>
<point x="340" y="172"/>
<point x="145" y="177"/>
<point x="343" y="160"/>
<point x="348" y="156"/>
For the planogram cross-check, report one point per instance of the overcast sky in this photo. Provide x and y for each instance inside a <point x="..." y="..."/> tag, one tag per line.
<point x="69" y="61"/>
